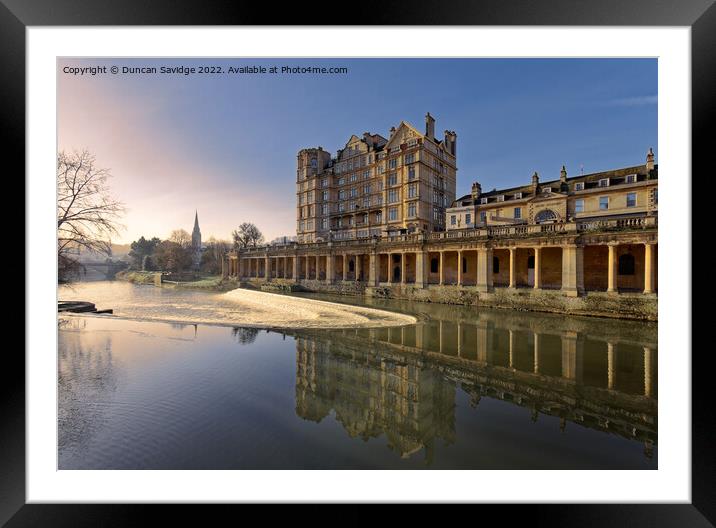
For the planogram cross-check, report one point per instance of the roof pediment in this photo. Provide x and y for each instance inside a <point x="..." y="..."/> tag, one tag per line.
<point x="404" y="132"/>
<point x="547" y="195"/>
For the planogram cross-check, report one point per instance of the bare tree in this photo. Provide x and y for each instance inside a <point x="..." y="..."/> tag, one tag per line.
<point x="87" y="215"/>
<point x="181" y="237"/>
<point x="247" y="235"/>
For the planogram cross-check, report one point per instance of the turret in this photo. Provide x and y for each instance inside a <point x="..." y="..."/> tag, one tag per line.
<point x="563" y="174"/>
<point x="450" y="141"/>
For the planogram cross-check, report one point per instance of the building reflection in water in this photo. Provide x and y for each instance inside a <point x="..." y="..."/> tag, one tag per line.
<point x="597" y="374"/>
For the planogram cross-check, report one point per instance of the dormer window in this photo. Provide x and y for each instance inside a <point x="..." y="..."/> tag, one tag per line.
<point x="630" y="178"/>
<point x="518" y="196"/>
<point x="483" y="200"/>
<point x="604" y="182"/>
<point x="501" y="198"/>
<point x="547" y="190"/>
<point x="579" y="186"/>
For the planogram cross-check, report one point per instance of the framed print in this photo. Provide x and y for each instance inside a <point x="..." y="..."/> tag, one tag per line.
<point x="411" y="259"/>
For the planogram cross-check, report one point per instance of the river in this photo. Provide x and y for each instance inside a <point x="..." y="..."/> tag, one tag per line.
<point x="186" y="379"/>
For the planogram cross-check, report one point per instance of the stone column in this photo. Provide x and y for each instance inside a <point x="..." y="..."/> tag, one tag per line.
<point x="285" y="267"/>
<point x="648" y="359"/>
<point x="611" y="373"/>
<point x="402" y="268"/>
<point x="330" y="269"/>
<point x="648" y="268"/>
<point x="390" y="268"/>
<point x="513" y="267"/>
<point x="459" y="267"/>
<point x="538" y="268"/>
<point x="318" y="267"/>
<point x="359" y="266"/>
<point x="225" y="264"/>
<point x="294" y="268"/>
<point x="308" y="267"/>
<point x="484" y="269"/>
<point x="442" y="268"/>
<point x="421" y="258"/>
<point x="573" y="270"/>
<point x="373" y="275"/>
<point x="612" y="269"/>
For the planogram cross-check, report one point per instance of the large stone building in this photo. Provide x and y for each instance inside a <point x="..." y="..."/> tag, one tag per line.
<point x="381" y="219"/>
<point x="376" y="186"/>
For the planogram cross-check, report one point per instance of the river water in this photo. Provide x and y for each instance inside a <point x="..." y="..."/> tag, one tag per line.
<point x="182" y="379"/>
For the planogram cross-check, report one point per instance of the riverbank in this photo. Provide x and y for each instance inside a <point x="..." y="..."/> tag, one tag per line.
<point x="214" y="283"/>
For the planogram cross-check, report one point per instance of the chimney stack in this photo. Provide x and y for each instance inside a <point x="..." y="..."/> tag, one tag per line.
<point x="450" y="141"/>
<point x="563" y="174"/>
<point x="392" y="131"/>
<point x="535" y="183"/>
<point x="650" y="160"/>
<point x="476" y="191"/>
<point x="429" y="126"/>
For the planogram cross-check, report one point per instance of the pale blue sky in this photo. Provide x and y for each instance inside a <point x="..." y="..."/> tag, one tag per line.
<point x="226" y="144"/>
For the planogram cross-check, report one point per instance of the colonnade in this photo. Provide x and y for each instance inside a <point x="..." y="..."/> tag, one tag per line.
<point x="610" y="267"/>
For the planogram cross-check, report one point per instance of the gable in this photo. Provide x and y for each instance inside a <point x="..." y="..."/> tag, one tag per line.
<point x="404" y="132"/>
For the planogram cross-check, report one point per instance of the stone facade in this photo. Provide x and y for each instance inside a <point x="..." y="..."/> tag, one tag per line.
<point x="375" y="185"/>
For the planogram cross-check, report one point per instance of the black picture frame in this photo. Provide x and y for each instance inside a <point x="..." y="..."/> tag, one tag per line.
<point x="699" y="15"/>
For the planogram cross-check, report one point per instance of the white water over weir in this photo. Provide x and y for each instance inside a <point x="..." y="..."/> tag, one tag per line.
<point x="274" y="310"/>
<point x="239" y="307"/>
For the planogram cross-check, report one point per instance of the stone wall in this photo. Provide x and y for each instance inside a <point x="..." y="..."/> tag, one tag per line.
<point x="600" y="304"/>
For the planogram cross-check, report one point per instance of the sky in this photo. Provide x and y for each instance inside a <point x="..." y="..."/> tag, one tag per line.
<point x="225" y="144"/>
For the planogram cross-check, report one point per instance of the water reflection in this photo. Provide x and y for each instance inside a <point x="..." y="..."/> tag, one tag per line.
<point x="463" y="388"/>
<point x="403" y="381"/>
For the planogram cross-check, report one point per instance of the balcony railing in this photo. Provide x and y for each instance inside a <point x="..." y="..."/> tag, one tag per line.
<point x="502" y="231"/>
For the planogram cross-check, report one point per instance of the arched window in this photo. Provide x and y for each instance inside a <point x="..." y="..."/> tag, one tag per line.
<point x="434" y="265"/>
<point x="351" y="265"/>
<point x="545" y="215"/>
<point x="626" y="264"/>
<point x="495" y="265"/>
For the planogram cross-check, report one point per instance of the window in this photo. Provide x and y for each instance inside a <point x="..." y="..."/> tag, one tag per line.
<point x="393" y="213"/>
<point x="579" y="186"/>
<point x="324" y="223"/>
<point x="313" y="163"/>
<point x="531" y="262"/>
<point x="366" y="202"/>
<point x="626" y="264"/>
<point x="366" y="189"/>
<point x="630" y="178"/>
<point x="468" y="219"/>
<point x="501" y="198"/>
<point x="631" y="199"/>
<point x="656" y="195"/>
<point x="579" y="206"/>
<point x="392" y="195"/>
<point x="483" y="200"/>
<point x="366" y="174"/>
<point x="518" y="196"/>
<point x="547" y="190"/>
<point x="324" y="209"/>
<point x="354" y="192"/>
<point x="341" y="195"/>
<point x="341" y="207"/>
<point x="411" y="172"/>
<point x="436" y="215"/>
<point x="483" y="217"/>
<point x="409" y="158"/>
<point x="604" y="182"/>
<point x="434" y="265"/>
<point x="453" y="219"/>
<point x="325" y="196"/>
<point x="412" y="190"/>
<point x="324" y="182"/>
<point x="495" y="265"/>
<point x="412" y="209"/>
<point x="392" y="163"/>
<point x="392" y="178"/>
<point x="603" y="203"/>
<point x="518" y="212"/>
<point x="341" y="181"/>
